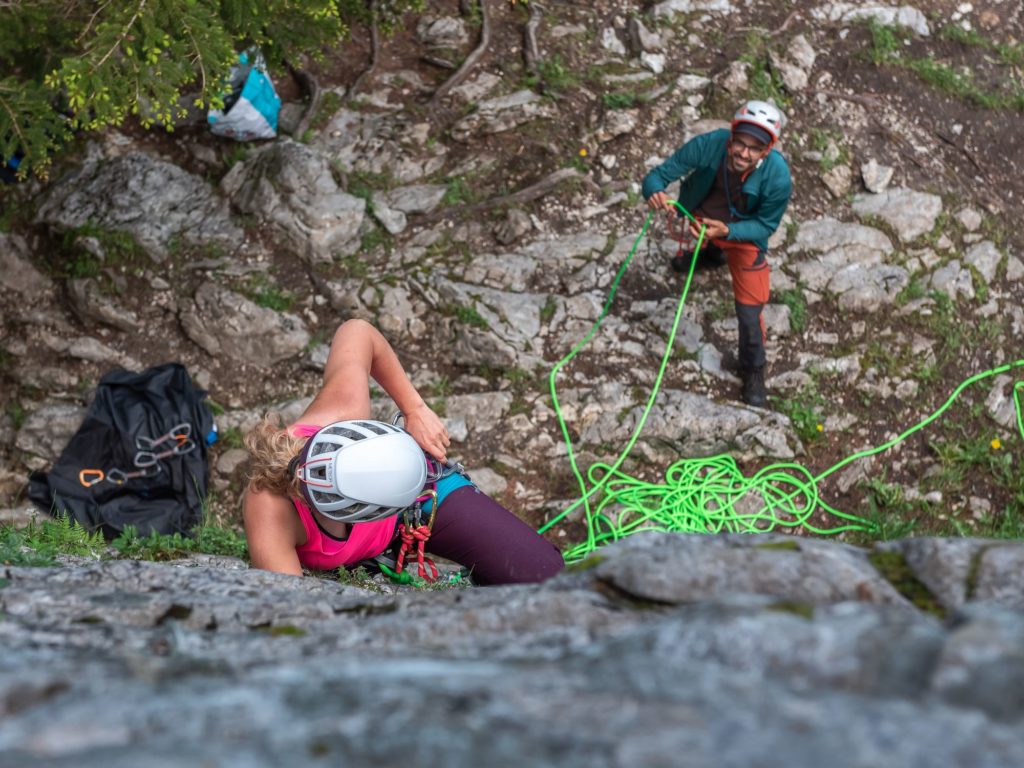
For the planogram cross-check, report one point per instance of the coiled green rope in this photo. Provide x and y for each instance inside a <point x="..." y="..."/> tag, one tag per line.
<point x="708" y="495"/>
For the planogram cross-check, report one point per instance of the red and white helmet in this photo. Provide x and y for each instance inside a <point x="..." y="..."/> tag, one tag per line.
<point x="762" y="114"/>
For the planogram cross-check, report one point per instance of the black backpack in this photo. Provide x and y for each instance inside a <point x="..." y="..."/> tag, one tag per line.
<point x="139" y="458"/>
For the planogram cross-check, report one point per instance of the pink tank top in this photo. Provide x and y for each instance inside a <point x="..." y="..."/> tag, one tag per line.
<point x="323" y="553"/>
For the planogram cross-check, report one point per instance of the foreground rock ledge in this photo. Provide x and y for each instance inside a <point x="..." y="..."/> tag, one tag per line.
<point x="659" y="650"/>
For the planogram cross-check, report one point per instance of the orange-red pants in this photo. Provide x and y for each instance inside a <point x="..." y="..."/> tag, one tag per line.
<point x="748" y="266"/>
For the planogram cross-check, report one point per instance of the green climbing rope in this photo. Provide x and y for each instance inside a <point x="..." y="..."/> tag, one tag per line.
<point x="709" y="495"/>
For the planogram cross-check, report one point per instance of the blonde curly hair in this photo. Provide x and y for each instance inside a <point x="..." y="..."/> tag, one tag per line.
<point x="271" y="448"/>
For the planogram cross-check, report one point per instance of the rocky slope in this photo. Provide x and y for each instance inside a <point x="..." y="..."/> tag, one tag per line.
<point x="480" y="224"/>
<point x="665" y="650"/>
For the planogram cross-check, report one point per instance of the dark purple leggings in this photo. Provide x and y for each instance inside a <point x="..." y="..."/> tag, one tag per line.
<point x="475" y="531"/>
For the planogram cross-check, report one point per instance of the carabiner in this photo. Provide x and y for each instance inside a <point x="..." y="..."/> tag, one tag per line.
<point x="180" y="433"/>
<point x="97" y="475"/>
<point x="120" y="477"/>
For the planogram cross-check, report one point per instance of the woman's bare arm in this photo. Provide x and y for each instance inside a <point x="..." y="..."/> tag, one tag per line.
<point x="359" y="351"/>
<point x="272" y="531"/>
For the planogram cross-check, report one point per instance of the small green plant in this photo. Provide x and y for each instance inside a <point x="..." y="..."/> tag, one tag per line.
<point x="804" y="412"/>
<point x="207" y="539"/>
<point x="459" y="192"/>
<point x="375" y="238"/>
<point x="912" y="291"/>
<point x="886" y="41"/>
<point x="363" y="183"/>
<point x="330" y="103"/>
<point x="889" y="514"/>
<point x="358" y="577"/>
<point x="17" y="414"/>
<point x="237" y="153"/>
<point x="215" y="540"/>
<point x="441" y="387"/>
<point x="1008" y="524"/>
<point x="555" y="76"/>
<point x="764" y="82"/>
<point x="796" y="301"/>
<point x="116" y="248"/>
<point x="469" y="316"/>
<point x="262" y="290"/>
<point x="548" y="310"/>
<point x="232" y="437"/>
<point x="833" y="151"/>
<point x="156" y="546"/>
<point x="352" y="265"/>
<point x="620" y="100"/>
<point x="720" y="310"/>
<point x="41" y="542"/>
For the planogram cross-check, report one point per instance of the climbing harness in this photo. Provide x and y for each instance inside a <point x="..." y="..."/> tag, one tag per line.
<point x="146" y="459"/>
<point x="709" y="495"/>
<point x="412" y="530"/>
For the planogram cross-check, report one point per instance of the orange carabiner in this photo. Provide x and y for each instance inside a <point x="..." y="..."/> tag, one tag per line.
<point x="97" y="476"/>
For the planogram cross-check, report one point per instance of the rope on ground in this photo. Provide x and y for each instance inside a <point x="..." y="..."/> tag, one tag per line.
<point x="710" y="495"/>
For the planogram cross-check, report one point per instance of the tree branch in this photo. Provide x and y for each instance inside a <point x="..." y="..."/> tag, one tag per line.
<point x="471" y="60"/>
<point x="530" y="53"/>
<point x="123" y="37"/>
<point x="374" y="52"/>
<point x="308" y="83"/>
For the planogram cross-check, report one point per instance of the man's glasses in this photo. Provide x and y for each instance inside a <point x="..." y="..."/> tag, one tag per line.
<point x="751" y="149"/>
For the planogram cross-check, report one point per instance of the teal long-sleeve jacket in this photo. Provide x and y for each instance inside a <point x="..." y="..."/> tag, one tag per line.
<point x="767" y="188"/>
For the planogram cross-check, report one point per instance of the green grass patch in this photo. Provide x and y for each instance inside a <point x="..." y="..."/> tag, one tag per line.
<point x="764" y="82"/>
<point x="118" y="249"/>
<point x="41" y="541"/>
<point x="262" y="290"/>
<point x="375" y="238"/>
<point x="888" y="48"/>
<point x="459" y="192"/>
<point x="893" y="567"/>
<point x="805" y="412"/>
<point x="548" y="310"/>
<point x="209" y="540"/>
<point x="622" y="100"/>
<point x="330" y="103"/>
<point x="795" y="299"/>
<point x="556" y="76"/>
<point x="469" y="316"/>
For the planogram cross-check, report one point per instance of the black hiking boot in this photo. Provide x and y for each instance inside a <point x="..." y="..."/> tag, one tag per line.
<point x="754" y="392"/>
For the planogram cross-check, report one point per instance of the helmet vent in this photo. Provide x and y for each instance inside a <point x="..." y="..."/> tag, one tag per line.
<point x="376" y="428"/>
<point x="351" y="434"/>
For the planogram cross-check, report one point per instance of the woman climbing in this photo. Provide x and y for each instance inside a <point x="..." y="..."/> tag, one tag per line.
<point x="336" y="488"/>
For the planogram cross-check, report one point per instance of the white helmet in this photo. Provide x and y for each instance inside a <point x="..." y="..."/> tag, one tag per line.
<point x="362" y="470"/>
<point x="762" y="114"/>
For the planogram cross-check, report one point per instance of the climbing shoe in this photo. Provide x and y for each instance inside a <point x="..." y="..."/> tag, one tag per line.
<point x="754" y="392"/>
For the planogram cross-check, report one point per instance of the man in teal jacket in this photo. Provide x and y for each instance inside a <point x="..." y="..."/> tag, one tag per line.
<point x="738" y="187"/>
